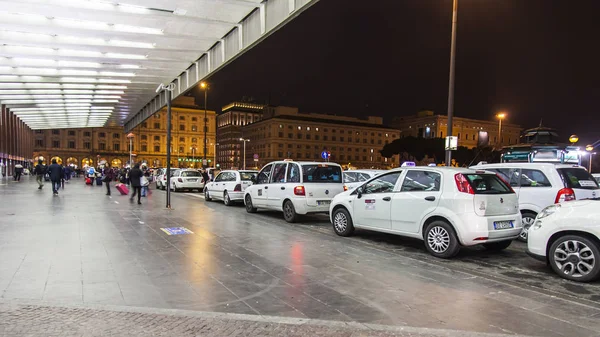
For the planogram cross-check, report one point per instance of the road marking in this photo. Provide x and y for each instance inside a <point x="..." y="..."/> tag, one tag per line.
<point x="116" y="202"/>
<point x="195" y="195"/>
<point x="141" y="222"/>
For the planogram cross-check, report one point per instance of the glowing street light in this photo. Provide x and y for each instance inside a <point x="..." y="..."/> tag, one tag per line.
<point x="573" y="139"/>
<point x="500" y="117"/>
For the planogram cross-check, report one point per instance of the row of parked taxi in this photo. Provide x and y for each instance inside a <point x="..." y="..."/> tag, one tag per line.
<point x="551" y="206"/>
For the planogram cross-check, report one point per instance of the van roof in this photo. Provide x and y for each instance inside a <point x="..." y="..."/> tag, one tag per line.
<point x="532" y="165"/>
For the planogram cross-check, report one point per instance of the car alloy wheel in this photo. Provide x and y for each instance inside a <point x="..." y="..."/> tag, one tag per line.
<point x="575" y="258"/>
<point x="340" y="221"/>
<point x="289" y="213"/>
<point x="249" y="207"/>
<point x="438" y="239"/>
<point x="226" y="199"/>
<point x="206" y="195"/>
<point x="528" y="220"/>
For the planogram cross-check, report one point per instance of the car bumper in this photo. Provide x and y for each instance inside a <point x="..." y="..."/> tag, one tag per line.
<point x="189" y="185"/>
<point x="478" y="229"/>
<point x="236" y="196"/>
<point x="538" y="257"/>
<point x="303" y="208"/>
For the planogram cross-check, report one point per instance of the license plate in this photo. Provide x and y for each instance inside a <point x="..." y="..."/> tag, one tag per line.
<point x="323" y="202"/>
<point x="192" y="180"/>
<point x="503" y="225"/>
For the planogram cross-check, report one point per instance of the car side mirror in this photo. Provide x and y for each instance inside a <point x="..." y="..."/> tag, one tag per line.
<point x="253" y="179"/>
<point x="359" y="192"/>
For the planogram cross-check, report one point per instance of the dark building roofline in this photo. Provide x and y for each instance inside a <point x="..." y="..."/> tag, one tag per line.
<point x="326" y="121"/>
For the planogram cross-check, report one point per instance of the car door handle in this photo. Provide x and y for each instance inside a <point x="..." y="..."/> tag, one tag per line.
<point x="387" y="199"/>
<point x="430" y="198"/>
<point x="283" y="188"/>
<point x="266" y="187"/>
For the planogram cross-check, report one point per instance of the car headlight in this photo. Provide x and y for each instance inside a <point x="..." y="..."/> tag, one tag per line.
<point x="548" y="211"/>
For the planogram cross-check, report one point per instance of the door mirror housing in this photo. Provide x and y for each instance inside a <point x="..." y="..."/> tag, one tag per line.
<point x="359" y="192"/>
<point x="253" y="179"/>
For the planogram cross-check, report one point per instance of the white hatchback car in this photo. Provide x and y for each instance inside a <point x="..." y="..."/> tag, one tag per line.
<point x="567" y="236"/>
<point x="539" y="185"/>
<point x="229" y="186"/>
<point x="445" y="207"/>
<point x="187" y="179"/>
<point x="295" y="188"/>
<point x="355" y="178"/>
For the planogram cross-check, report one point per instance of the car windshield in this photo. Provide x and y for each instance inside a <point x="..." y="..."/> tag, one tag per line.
<point x="321" y="173"/>
<point x="190" y="174"/>
<point x="247" y="176"/>
<point x="487" y="184"/>
<point x="575" y="177"/>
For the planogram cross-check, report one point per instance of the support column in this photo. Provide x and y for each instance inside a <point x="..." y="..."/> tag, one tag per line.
<point x="3" y="131"/>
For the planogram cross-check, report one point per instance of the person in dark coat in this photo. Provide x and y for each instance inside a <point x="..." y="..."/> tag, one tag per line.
<point x="135" y="176"/>
<point x="108" y="177"/>
<point x="40" y="171"/>
<point x="55" y="171"/>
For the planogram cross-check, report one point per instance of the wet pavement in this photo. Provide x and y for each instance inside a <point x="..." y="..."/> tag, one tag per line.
<point x="87" y="249"/>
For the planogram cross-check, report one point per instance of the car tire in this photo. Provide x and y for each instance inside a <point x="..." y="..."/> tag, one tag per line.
<point x="289" y="212"/>
<point x="226" y="199"/>
<point x="440" y="240"/>
<point x="249" y="206"/>
<point x="342" y="222"/>
<point x="575" y="265"/>
<point x="497" y="246"/>
<point x="207" y="195"/>
<point x="528" y="220"/>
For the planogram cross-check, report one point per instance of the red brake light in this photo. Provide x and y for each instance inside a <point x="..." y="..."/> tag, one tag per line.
<point x="299" y="190"/>
<point x="238" y="188"/>
<point x="565" y="194"/>
<point x="463" y="184"/>
<point x="505" y="182"/>
<point x="180" y="180"/>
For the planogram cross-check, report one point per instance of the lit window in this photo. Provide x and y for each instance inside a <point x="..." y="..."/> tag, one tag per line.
<point x="316" y="129"/>
<point x="308" y="128"/>
<point x="299" y="128"/>
<point x="280" y="126"/>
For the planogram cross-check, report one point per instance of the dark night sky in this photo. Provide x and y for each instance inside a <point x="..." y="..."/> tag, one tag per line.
<point x="534" y="58"/>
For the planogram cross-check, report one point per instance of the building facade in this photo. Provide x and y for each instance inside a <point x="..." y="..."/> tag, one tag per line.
<point x="230" y="121"/>
<point x="90" y="146"/>
<point x="284" y="133"/>
<point x="16" y="143"/>
<point x="470" y="132"/>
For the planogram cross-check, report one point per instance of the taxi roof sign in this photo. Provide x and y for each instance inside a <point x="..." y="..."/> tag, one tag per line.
<point x="408" y="164"/>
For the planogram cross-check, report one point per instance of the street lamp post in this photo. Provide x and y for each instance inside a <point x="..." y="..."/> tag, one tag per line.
<point x="193" y="153"/>
<point x="500" y="117"/>
<point x="451" y="79"/>
<point x="590" y="149"/>
<point x="169" y="89"/>
<point x="130" y="136"/>
<point x="204" y="86"/>
<point x="244" y="140"/>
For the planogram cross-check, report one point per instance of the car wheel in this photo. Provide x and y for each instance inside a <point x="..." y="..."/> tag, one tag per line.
<point x="575" y="258"/>
<point x="342" y="222"/>
<point x="528" y="220"/>
<point x="207" y="195"/>
<point x="249" y="207"/>
<point x="226" y="199"/>
<point x="289" y="212"/>
<point x="497" y="246"/>
<point x="440" y="240"/>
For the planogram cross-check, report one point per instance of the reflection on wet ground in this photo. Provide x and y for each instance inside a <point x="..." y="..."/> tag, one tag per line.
<point x="84" y="247"/>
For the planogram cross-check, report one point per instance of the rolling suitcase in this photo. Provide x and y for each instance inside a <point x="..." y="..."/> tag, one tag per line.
<point x="88" y="181"/>
<point x="99" y="181"/>
<point x="122" y="188"/>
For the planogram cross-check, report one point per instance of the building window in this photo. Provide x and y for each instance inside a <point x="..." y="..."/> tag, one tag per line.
<point x="181" y="150"/>
<point x="299" y="136"/>
<point x="181" y="118"/>
<point x="181" y="127"/>
<point x="194" y="140"/>
<point x="156" y="148"/>
<point x="157" y="125"/>
<point x="71" y="144"/>
<point x="39" y="131"/>
<point x="56" y="143"/>
<point x="87" y="134"/>
<point x="308" y="136"/>
<point x="144" y="137"/>
<point x="333" y="138"/>
<point x="101" y="134"/>
<point x="325" y="138"/>
<point x="39" y="142"/>
<point x="317" y="137"/>
<point x="194" y="128"/>
<point x="87" y="145"/>
<point x="56" y="132"/>
<point x="290" y="136"/>
<point x="144" y="124"/>
<point x="341" y="139"/>
<point x="71" y="133"/>
<point x="116" y="147"/>
<point x="144" y="148"/>
<point x="280" y="134"/>
<point x="182" y="139"/>
<point x="194" y="119"/>
<point x="102" y="146"/>
<point x="116" y="136"/>
<point x="157" y="138"/>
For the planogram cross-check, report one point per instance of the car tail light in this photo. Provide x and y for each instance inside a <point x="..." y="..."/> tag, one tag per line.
<point x="180" y="180"/>
<point x="201" y="180"/>
<point x="299" y="190"/>
<point x="506" y="183"/>
<point x="345" y="188"/>
<point x="565" y="194"/>
<point x="238" y="188"/>
<point x="463" y="184"/>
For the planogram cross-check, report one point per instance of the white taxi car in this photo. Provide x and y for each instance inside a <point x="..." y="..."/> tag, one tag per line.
<point x="567" y="236"/>
<point x="229" y="186"/>
<point x="186" y="179"/>
<point x="295" y="187"/>
<point x="446" y="207"/>
<point x="355" y="178"/>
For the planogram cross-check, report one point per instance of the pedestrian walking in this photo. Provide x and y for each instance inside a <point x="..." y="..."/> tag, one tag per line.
<point x="205" y="176"/>
<point x="135" y="177"/>
<point x="55" y="172"/>
<point x="18" y="172"/>
<point x="108" y="176"/>
<point x="145" y="182"/>
<point x="40" y="171"/>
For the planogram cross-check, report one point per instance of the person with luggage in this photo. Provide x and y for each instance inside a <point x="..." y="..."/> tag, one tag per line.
<point x="108" y="176"/>
<point x="91" y="172"/>
<point x="55" y="172"/>
<point x="145" y="182"/>
<point x="135" y="179"/>
<point x="40" y="171"/>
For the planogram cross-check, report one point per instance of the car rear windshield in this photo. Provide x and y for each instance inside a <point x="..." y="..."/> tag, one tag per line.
<point x="190" y="174"/>
<point x="577" y="178"/>
<point x="247" y="176"/>
<point x="321" y="173"/>
<point x="487" y="184"/>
